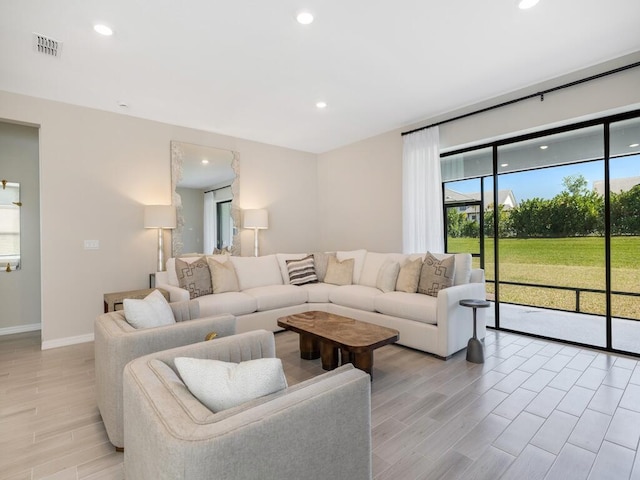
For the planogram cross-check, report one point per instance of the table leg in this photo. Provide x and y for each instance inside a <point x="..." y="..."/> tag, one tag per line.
<point x="345" y="356"/>
<point x="364" y="361"/>
<point x="309" y="347"/>
<point x="475" y="350"/>
<point x="329" y="355"/>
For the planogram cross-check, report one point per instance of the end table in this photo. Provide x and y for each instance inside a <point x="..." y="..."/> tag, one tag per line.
<point x="475" y="350"/>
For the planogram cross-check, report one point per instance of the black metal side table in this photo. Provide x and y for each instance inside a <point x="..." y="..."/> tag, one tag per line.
<point x="475" y="350"/>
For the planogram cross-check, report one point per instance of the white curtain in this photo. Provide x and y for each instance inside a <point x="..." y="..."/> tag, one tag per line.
<point x="209" y="223"/>
<point x="422" y="222"/>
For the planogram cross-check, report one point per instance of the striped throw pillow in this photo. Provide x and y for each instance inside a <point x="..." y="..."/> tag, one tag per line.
<point x="302" y="271"/>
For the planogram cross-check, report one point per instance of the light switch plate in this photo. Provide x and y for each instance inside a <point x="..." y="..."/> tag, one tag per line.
<point x="92" y="244"/>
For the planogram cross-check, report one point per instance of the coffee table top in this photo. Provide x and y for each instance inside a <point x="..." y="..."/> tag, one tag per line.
<point x="342" y="331"/>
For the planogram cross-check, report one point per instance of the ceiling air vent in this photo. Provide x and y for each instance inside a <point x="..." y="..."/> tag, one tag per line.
<point x="47" y="45"/>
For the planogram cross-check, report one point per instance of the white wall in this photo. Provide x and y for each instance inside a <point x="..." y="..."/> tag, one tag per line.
<point x="20" y="289"/>
<point x="98" y="169"/>
<point x="360" y="184"/>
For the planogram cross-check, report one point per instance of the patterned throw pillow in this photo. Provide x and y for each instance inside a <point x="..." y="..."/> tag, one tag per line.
<point x="436" y="274"/>
<point x="302" y="271"/>
<point x="194" y="277"/>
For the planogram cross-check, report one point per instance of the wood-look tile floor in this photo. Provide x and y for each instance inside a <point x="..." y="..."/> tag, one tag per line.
<point x="533" y="410"/>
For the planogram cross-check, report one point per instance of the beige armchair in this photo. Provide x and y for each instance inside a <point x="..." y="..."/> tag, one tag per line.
<point x="316" y="429"/>
<point x="117" y="343"/>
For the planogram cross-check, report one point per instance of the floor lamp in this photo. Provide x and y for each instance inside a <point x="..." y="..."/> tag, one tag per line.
<point x="258" y="220"/>
<point x="160" y="217"/>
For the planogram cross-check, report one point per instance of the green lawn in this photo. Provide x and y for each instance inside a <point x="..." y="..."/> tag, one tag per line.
<point x="569" y="262"/>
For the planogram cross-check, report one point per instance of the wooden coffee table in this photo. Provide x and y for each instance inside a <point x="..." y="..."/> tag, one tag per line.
<point x="323" y="334"/>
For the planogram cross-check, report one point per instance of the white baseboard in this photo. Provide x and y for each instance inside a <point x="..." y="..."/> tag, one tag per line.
<point x="65" y="342"/>
<point x="20" y="329"/>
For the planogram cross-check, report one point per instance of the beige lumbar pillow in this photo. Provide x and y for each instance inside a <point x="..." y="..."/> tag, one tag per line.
<point x="408" y="276"/>
<point x="340" y="272"/>
<point x="436" y="275"/>
<point x="223" y="276"/>
<point x="151" y="311"/>
<point x="220" y="385"/>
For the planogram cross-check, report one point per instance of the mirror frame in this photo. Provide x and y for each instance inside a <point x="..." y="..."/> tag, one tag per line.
<point x="177" y="159"/>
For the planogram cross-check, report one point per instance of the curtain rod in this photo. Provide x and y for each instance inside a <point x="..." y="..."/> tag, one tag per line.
<point x="540" y="94"/>
<point x="216" y="189"/>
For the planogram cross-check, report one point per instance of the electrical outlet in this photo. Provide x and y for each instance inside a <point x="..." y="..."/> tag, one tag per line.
<point x="92" y="244"/>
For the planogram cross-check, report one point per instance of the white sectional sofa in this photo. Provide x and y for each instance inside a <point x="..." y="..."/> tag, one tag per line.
<point x="437" y="325"/>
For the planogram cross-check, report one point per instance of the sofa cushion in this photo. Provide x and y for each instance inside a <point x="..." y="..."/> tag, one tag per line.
<point x="318" y="292"/>
<point x="463" y="266"/>
<point x="388" y="275"/>
<point x="257" y="271"/>
<point x="302" y="271"/>
<point x="223" y="276"/>
<point x="412" y="306"/>
<point x="355" y="296"/>
<point x="221" y="385"/>
<point x="277" y="296"/>
<point x="321" y="261"/>
<point x="340" y="272"/>
<point x="151" y="311"/>
<point x="358" y="257"/>
<point x="235" y="303"/>
<point x="409" y="276"/>
<point x="436" y="274"/>
<point x="195" y="277"/>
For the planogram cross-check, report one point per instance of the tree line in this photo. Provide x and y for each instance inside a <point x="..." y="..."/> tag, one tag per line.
<point x="575" y="212"/>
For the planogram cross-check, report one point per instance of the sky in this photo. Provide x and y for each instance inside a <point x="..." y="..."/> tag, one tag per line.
<point x="547" y="182"/>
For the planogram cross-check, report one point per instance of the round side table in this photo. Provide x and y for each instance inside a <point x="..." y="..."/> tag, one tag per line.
<point x="475" y="350"/>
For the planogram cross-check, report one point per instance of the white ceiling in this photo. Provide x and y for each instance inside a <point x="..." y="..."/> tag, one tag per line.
<point x="248" y="69"/>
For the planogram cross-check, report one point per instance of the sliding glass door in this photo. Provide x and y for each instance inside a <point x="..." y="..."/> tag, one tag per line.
<point x="559" y="237"/>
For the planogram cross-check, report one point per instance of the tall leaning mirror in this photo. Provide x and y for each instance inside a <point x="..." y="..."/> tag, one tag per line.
<point x="205" y="190"/>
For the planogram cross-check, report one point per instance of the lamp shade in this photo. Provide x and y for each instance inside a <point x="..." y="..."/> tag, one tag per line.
<point x="159" y="216"/>
<point x="258" y="219"/>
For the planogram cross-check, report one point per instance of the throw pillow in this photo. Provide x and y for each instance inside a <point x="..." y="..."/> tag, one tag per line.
<point x="302" y="271"/>
<point x="409" y="276"/>
<point x="436" y="274"/>
<point x="151" y="311"/>
<point x="194" y="277"/>
<point x="388" y="276"/>
<point x="321" y="262"/>
<point x="223" y="276"/>
<point x="220" y="385"/>
<point x="339" y="272"/>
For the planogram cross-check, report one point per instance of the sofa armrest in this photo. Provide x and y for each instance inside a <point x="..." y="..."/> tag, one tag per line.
<point x="290" y="434"/>
<point x="117" y="343"/>
<point x="455" y="322"/>
<point x="176" y="294"/>
<point x="477" y="276"/>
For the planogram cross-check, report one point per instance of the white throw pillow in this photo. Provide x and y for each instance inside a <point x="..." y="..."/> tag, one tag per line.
<point x="388" y="276"/>
<point x="220" y="385"/>
<point x="151" y="311"/>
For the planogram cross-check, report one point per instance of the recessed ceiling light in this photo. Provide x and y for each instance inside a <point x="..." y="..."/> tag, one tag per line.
<point x="634" y="145"/>
<point x="504" y="165"/>
<point x="304" y="18"/>
<point x="544" y="147"/>
<point x="123" y="104"/>
<point x="524" y="4"/>
<point x="321" y="105"/>
<point x="103" y="29"/>
<point x="205" y="162"/>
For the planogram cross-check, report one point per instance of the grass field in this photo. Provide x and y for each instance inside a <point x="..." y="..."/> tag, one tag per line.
<point x="567" y="262"/>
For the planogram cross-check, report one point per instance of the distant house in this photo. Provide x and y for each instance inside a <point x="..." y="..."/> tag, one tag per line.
<point x="617" y="185"/>
<point x="506" y="198"/>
